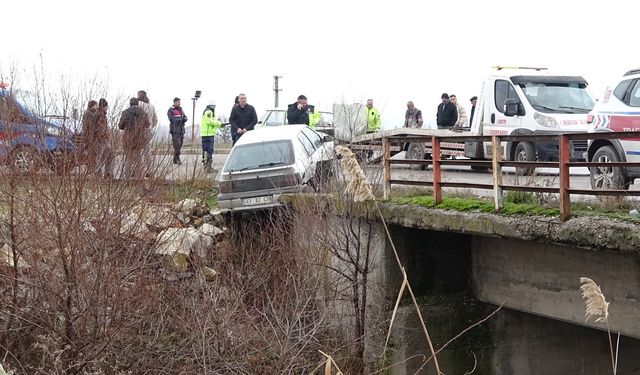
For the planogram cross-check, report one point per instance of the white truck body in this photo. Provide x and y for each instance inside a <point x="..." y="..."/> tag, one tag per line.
<point x="517" y="102"/>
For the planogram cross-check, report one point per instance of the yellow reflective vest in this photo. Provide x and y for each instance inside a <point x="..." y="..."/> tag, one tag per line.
<point x="209" y="125"/>
<point x="314" y="118"/>
<point x="373" y="119"/>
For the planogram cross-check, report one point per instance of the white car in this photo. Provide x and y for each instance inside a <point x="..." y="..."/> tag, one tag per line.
<point x="278" y="116"/>
<point x="617" y="111"/>
<point x="268" y="162"/>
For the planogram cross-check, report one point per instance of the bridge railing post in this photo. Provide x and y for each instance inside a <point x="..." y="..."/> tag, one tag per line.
<point x="496" y="158"/>
<point x="437" y="172"/>
<point x="563" y="160"/>
<point x="386" y="167"/>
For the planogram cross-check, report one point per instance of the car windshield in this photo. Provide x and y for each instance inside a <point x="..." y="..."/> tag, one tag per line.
<point x="561" y="97"/>
<point x="260" y="155"/>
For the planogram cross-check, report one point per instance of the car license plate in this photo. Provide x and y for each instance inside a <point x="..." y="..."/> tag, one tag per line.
<point x="256" y="200"/>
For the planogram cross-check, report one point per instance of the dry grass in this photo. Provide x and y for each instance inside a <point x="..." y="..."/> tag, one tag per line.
<point x="359" y="185"/>
<point x="594" y="300"/>
<point x="597" y="305"/>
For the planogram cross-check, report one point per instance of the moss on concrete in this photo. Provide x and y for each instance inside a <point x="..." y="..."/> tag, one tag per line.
<point x="589" y="232"/>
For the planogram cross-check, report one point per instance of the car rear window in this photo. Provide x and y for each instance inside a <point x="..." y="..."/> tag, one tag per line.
<point x="260" y="155"/>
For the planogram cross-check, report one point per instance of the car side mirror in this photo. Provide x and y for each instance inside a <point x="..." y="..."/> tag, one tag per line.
<point x="327" y="138"/>
<point x="511" y="107"/>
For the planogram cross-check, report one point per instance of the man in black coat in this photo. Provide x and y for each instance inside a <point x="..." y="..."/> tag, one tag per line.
<point x="298" y="112"/>
<point x="243" y="118"/>
<point x="474" y="100"/>
<point x="135" y="123"/>
<point x="447" y="113"/>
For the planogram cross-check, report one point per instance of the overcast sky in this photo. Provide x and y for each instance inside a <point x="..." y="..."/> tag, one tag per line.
<point x="331" y="51"/>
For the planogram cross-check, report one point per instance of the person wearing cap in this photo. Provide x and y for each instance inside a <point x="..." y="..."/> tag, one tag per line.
<point x="135" y="123"/>
<point x="474" y="100"/>
<point x="209" y="126"/>
<point x="177" y="119"/>
<point x="447" y="113"/>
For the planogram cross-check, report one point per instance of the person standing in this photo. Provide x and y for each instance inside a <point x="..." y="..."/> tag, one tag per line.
<point x="301" y="112"/>
<point x="474" y="100"/>
<point x="99" y="152"/>
<point x="447" y="113"/>
<point x="413" y="116"/>
<point x="373" y="117"/>
<point x="243" y="118"/>
<point x="135" y="123"/>
<point x="460" y="111"/>
<point x="177" y="119"/>
<point x="92" y="108"/>
<point x="209" y="126"/>
<point x="150" y="110"/>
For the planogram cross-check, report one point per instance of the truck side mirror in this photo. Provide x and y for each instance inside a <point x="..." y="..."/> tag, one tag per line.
<point x="511" y="107"/>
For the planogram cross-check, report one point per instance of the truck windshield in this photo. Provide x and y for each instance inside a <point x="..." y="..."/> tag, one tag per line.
<point x="561" y="97"/>
<point x="260" y="155"/>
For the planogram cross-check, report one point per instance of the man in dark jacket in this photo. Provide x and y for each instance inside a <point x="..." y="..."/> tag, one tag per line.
<point x="447" y="113"/>
<point x="135" y="123"/>
<point x="474" y="100"/>
<point x="243" y="118"/>
<point x="299" y="112"/>
<point x="177" y="119"/>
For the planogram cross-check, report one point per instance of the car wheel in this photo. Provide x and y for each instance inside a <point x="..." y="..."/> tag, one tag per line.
<point x="525" y="151"/>
<point x="603" y="178"/>
<point x="23" y="159"/>
<point x="415" y="151"/>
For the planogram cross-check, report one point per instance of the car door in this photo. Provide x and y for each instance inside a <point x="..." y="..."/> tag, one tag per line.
<point x="498" y="123"/>
<point x="311" y="161"/>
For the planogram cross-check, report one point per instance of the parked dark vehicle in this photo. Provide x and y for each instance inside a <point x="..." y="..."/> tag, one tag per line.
<point x="28" y="142"/>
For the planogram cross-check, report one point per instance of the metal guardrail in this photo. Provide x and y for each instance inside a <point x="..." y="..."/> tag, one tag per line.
<point x="496" y="163"/>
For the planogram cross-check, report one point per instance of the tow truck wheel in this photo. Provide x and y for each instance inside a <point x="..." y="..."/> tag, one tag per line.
<point x="415" y="151"/>
<point x="525" y="151"/>
<point x="23" y="159"/>
<point x="603" y="178"/>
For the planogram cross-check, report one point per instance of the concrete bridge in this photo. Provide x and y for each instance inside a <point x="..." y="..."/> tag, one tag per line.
<point x="529" y="264"/>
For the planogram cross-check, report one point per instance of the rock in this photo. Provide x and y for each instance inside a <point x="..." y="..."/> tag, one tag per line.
<point x="211" y="231"/>
<point x="208" y="273"/>
<point x="187" y="206"/>
<point x="158" y="217"/>
<point x="218" y="216"/>
<point x="198" y="222"/>
<point x="88" y="227"/>
<point x="207" y="218"/>
<point x="184" y="219"/>
<point x="179" y="243"/>
<point x="200" y="211"/>
<point x="134" y="225"/>
<point x="6" y="258"/>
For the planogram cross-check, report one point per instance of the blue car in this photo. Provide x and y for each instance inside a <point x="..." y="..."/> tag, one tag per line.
<point x="28" y="142"/>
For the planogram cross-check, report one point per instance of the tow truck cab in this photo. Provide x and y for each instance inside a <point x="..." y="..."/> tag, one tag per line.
<point x="518" y="101"/>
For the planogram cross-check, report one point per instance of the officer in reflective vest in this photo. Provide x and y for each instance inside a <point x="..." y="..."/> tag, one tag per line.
<point x="209" y="127"/>
<point x="373" y="117"/>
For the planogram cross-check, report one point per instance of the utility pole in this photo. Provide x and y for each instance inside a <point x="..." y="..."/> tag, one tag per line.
<point x="276" y="89"/>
